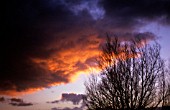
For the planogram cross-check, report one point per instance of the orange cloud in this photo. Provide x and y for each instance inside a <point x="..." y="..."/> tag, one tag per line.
<point x="16" y="93"/>
<point x="73" y="61"/>
<point x="60" y="62"/>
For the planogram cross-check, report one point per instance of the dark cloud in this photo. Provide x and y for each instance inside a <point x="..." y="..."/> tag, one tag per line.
<point x="19" y="102"/>
<point x="15" y="101"/>
<point x="131" y="11"/>
<point x="21" y="75"/>
<point x="91" y="6"/>
<point x="34" y="31"/>
<point x="74" y="98"/>
<point x="55" y="101"/>
<point x="2" y="99"/>
<point x="45" y="43"/>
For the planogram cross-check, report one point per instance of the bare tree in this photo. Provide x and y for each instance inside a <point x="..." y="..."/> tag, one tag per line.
<point x="166" y="101"/>
<point x="132" y="77"/>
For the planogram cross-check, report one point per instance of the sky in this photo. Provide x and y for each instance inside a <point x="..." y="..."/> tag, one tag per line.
<point x="49" y="47"/>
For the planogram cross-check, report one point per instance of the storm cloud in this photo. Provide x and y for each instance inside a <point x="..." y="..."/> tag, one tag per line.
<point x="47" y="42"/>
<point x="131" y="11"/>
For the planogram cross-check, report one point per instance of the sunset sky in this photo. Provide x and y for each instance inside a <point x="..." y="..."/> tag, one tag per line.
<point x="48" y="47"/>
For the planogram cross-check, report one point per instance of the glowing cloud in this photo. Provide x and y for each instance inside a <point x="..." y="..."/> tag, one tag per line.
<point x="48" y="43"/>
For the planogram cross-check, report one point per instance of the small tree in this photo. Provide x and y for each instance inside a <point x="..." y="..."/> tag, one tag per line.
<point x="132" y="77"/>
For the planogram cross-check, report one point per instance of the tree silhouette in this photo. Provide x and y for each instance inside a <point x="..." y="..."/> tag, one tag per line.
<point x="167" y="86"/>
<point x="132" y="77"/>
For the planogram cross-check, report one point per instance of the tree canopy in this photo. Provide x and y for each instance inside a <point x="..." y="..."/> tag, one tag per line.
<point x="132" y="77"/>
